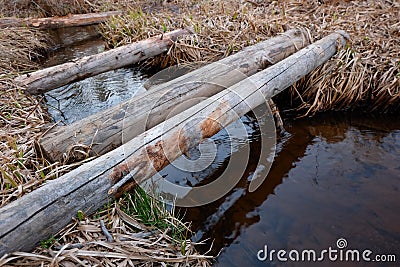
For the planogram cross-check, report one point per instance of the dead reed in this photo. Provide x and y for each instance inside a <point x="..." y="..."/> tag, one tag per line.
<point x="116" y="236"/>
<point x="20" y="48"/>
<point x="221" y="28"/>
<point x="21" y="117"/>
<point x="364" y="75"/>
<point x="46" y="8"/>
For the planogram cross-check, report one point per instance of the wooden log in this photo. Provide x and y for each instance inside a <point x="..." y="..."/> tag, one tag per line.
<point x="103" y="131"/>
<point x="37" y="215"/>
<point x="70" y="20"/>
<point x="44" y="80"/>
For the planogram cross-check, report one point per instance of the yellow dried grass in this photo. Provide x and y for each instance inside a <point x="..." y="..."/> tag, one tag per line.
<point x="221" y="28"/>
<point x="130" y="243"/>
<point x="364" y="75"/>
<point x="46" y="8"/>
<point x="19" y="50"/>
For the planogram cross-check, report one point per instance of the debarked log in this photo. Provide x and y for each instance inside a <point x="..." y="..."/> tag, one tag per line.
<point x="47" y="79"/>
<point x="70" y="20"/>
<point x="37" y="215"/>
<point x="102" y="132"/>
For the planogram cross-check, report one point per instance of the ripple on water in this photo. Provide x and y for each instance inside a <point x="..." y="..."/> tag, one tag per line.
<point x="76" y="101"/>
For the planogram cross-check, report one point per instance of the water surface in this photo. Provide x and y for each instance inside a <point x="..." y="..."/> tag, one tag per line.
<point x="334" y="176"/>
<point x="78" y="100"/>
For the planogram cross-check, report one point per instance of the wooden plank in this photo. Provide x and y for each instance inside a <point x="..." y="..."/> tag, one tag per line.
<point x="44" y="80"/>
<point x="102" y="132"/>
<point x="70" y="20"/>
<point x="37" y="215"/>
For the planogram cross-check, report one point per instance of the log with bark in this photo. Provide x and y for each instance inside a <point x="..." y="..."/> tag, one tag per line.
<point x="70" y="20"/>
<point x="47" y="79"/>
<point x="102" y="132"/>
<point x="43" y="212"/>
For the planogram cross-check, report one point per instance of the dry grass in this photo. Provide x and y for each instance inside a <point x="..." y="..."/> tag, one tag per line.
<point x="221" y="28"/>
<point x="48" y="8"/>
<point x="21" y="120"/>
<point x="22" y="117"/>
<point x="113" y="237"/>
<point x="364" y="75"/>
<point x="19" y="50"/>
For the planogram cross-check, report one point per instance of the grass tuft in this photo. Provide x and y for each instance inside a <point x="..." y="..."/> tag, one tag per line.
<point x="152" y="212"/>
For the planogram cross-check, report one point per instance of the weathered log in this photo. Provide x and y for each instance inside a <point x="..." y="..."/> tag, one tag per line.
<point x="103" y="131"/>
<point x="47" y="209"/>
<point x="44" y="80"/>
<point x="70" y="20"/>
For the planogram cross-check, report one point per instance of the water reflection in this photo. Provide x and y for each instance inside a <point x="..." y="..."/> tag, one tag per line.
<point x="176" y="173"/>
<point x="331" y="178"/>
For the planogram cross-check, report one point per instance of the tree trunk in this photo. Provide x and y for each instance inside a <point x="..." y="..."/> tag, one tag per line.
<point x="59" y="22"/>
<point x="37" y="215"/>
<point x="44" y="80"/>
<point x="102" y="132"/>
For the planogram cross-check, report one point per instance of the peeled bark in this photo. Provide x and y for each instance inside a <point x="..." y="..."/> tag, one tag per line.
<point x="102" y="132"/>
<point x="46" y="210"/>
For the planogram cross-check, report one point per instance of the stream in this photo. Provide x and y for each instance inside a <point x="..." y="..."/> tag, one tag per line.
<point x="335" y="177"/>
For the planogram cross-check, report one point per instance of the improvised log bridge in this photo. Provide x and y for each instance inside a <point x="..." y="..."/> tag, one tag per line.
<point x="102" y="132"/>
<point x="47" y="79"/>
<point x="46" y="210"/>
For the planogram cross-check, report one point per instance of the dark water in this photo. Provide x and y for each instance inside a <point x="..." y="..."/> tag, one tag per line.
<point x="334" y="176"/>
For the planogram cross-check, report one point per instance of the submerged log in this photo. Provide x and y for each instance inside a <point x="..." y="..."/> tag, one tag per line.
<point x="102" y="132"/>
<point x="37" y="215"/>
<point x="59" y="22"/>
<point x="44" y="80"/>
